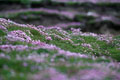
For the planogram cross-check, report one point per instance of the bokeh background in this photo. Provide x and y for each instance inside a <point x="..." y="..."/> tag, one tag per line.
<point x="98" y="16"/>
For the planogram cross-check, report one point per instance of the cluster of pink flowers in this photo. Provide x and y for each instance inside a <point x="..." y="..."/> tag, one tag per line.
<point x="4" y="22"/>
<point x="79" y="32"/>
<point x="48" y="38"/>
<point x="63" y="38"/>
<point x="76" y="30"/>
<point x="37" y="58"/>
<point x="71" y="54"/>
<point x="37" y="42"/>
<point x="41" y="30"/>
<point x="8" y="23"/>
<point x="86" y="45"/>
<point x="50" y="47"/>
<point x="89" y="34"/>
<point x="3" y="28"/>
<point x="18" y="35"/>
<point x="63" y="52"/>
<point x="9" y="48"/>
<point x="106" y="38"/>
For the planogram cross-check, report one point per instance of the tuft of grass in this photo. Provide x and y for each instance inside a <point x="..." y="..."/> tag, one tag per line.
<point x="2" y="33"/>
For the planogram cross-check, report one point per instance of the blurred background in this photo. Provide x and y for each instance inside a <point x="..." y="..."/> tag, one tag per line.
<point x="97" y="16"/>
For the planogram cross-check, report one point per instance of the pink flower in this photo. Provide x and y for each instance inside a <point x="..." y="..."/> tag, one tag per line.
<point x="3" y="28"/>
<point x="70" y="54"/>
<point x="48" y="38"/>
<point x="25" y="64"/>
<point x="18" y="35"/>
<point x="37" y="42"/>
<point x="9" y="48"/>
<point x="106" y="38"/>
<point x="40" y="26"/>
<point x="86" y="45"/>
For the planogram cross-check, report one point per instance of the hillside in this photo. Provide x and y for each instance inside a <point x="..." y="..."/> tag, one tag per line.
<point x="29" y="52"/>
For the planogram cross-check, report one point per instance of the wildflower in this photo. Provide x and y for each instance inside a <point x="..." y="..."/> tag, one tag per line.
<point x="68" y="53"/>
<point x="25" y="64"/>
<point x="48" y="38"/>
<point x="18" y="35"/>
<point x="86" y="45"/>
<point x="40" y="26"/>
<point x="3" y="28"/>
<point x="106" y="38"/>
<point x="37" y="42"/>
<point x="9" y="48"/>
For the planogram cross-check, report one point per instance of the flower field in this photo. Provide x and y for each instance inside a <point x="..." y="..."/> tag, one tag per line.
<point x="59" y="39"/>
<point x="29" y="52"/>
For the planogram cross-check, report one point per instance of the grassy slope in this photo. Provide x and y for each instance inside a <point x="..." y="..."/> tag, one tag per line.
<point x="99" y="52"/>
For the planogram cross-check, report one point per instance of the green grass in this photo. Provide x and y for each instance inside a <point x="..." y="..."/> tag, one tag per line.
<point x="2" y="33"/>
<point x="16" y="66"/>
